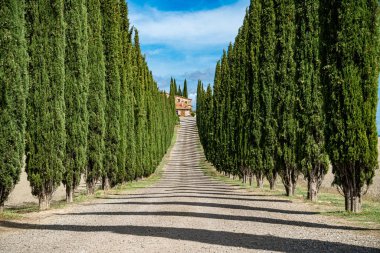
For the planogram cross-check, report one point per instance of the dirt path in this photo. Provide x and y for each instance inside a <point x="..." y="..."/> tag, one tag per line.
<point x="186" y="212"/>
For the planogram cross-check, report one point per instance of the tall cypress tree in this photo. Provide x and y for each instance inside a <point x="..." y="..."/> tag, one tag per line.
<point x="268" y="86"/>
<point x="128" y="100"/>
<point x="175" y="84"/>
<point x="241" y="110"/>
<point x="76" y="92"/>
<point x="218" y="105"/>
<point x="286" y="94"/>
<point x="13" y="87"/>
<point x="112" y="47"/>
<point x="229" y="81"/>
<point x="255" y="160"/>
<point x="46" y="105"/>
<point x="350" y="37"/>
<point x="185" y="93"/>
<point x="140" y="104"/>
<point x="124" y="99"/>
<point x="179" y="91"/>
<point x="96" y="96"/>
<point x="311" y="152"/>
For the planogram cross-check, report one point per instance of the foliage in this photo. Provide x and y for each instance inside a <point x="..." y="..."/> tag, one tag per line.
<point x="13" y="88"/>
<point x="76" y="93"/>
<point x="96" y="100"/>
<point x="45" y="132"/>
<point x="350" y="60"/>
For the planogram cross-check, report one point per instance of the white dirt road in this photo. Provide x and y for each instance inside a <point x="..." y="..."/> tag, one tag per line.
<point x="185" y="212"/>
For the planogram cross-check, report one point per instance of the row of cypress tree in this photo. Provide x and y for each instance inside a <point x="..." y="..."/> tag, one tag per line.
<point x="77" y="97"/>
<point x="296" y="92"/>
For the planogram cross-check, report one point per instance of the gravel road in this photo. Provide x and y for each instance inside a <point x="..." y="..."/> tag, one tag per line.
<point x="186" y="212"/>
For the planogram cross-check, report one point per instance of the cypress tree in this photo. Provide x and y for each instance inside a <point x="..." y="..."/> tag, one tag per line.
<point x="311" y="152"/>
<point x="218" y="105"/>
<point x="268" y="85"/>
<point x="185" y="93"/>
<point x="175" y="84"/>
<point x="172" y="94"/>
<point x="239" y="71"/>
<point x="96" y="96"/>
<point x="76" y="90"/>
<point x="140" y="113"/>
<point x="286" y="94"/>
<point x="112" y="47"/>
<point x="124" y="96"/>
<point x="179" y="91"/>
<point x="230" y="119"/>
<point x="254" y="93"/>
<point x="129" y="100"/>
<point x="350" y="72"/>
<point x="46" y="105"/>
<point x="13" y="87"/>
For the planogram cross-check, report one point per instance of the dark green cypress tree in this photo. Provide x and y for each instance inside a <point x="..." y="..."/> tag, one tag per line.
<point x="268" y="85"/>
<point x="124" y="93"/>
<point x="230" y="82"/>
<point x="218" y="105"/>
<point x="140" y="113"/>
<point x="129" y="100"/>
<point x="112" y="47"/>
<point x="179" y="91"/>
<point x="185" y="93"/>
<point x="46" y="105"/>
<point x="172" y="93"/>
<point x="175" y="84"/>
<point x="254" y="91"/>
<point x="286" y="94"/>
<point x="96" y="96"/>
<point x="311" y="151"/>
<point x="76" y="92"/>
<point x="350" y="73"/>
<point x="13" y="88"/>
<point x="241" y="110"/>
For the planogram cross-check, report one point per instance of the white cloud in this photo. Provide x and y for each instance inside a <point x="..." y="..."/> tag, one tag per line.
<point x="189" y="29"/>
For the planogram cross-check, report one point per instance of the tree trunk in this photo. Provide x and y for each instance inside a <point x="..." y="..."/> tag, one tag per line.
<point x="44" y="202"/>
<point x="272" y="177"/>
<point x="106" y="183"/>
<point x="347" y="201"/>
<point x="69" y="194"/>
<point x="294" y="185"/>
<point x="250" y="179"/>
<point x="90" y="188"/>
<point x="356" y="204"/>
<point x="289" y="179"/>
<point x="1" y="207"/>
<point x="289" y="188"/>
<point x="272" y="184"/>
<point x="312" y="193"/>
<point x="260" y="180"/>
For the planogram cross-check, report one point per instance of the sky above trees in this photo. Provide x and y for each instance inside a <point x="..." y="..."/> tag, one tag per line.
<point x="184" y="39"/>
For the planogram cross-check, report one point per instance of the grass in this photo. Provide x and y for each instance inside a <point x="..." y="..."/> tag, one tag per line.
<point x="17" y="212"/>
<point x="330" y="202"/>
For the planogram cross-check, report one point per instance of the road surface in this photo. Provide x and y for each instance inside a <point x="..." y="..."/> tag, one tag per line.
<point x="185" y="212"/>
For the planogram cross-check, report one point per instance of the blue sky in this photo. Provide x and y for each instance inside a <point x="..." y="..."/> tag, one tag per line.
<point x="185" y="39"/>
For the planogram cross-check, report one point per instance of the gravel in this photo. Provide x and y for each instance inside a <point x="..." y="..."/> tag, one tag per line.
<point x="186" y="212"/>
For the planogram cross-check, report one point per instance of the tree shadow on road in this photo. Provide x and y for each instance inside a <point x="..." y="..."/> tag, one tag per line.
<point x="217" y="205"/>
<point x="257" y="197"/>
<point x="230" y="239"/>
<point x="226" y="217"/>
<point x="203" y="197"/>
